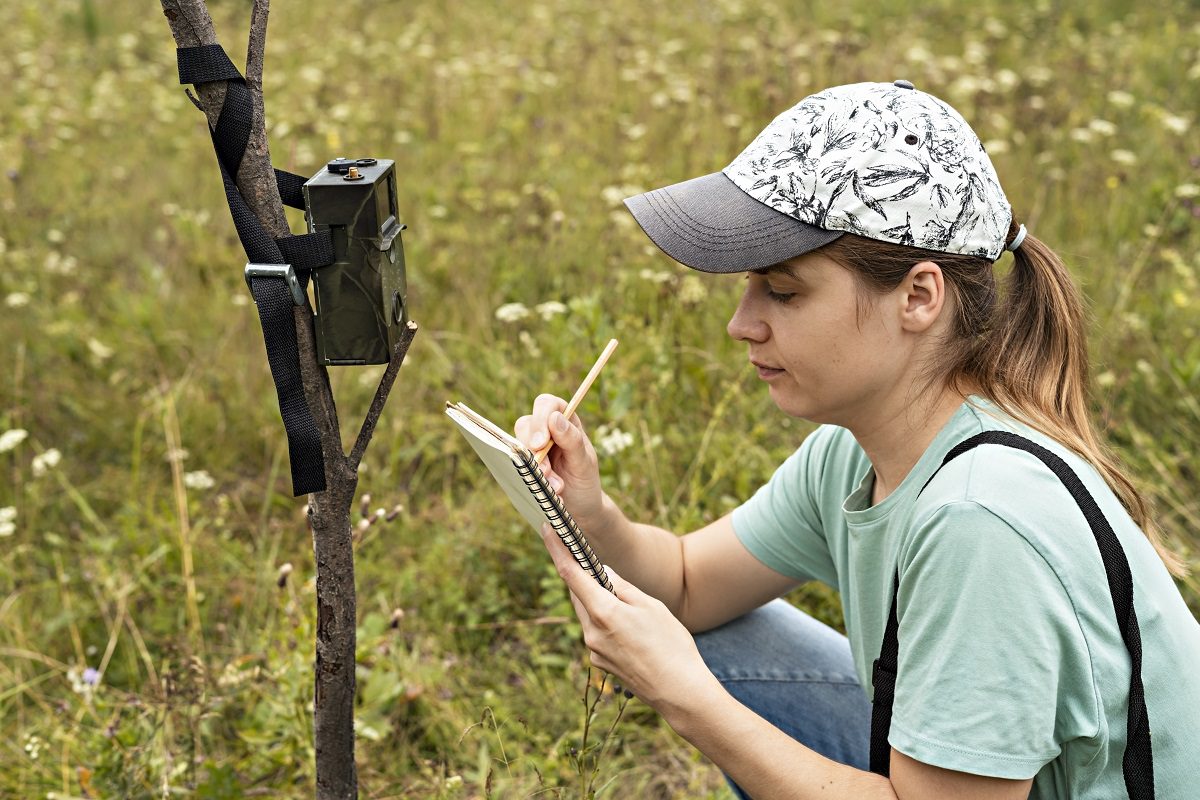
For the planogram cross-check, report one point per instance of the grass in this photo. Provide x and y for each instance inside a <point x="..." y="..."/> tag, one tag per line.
<point x="151" y="552"/>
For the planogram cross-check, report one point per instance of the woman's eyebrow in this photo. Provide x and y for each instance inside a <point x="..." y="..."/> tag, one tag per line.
<point x="781" y="267"/>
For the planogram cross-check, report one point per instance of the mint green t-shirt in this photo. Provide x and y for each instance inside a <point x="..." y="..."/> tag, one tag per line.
<point x="1011" y="663"/>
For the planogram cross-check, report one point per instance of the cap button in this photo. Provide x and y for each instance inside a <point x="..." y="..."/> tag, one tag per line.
<point x="903" y="84"/>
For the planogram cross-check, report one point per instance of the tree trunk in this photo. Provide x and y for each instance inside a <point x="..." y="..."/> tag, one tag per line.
<point x="329" y="511"/>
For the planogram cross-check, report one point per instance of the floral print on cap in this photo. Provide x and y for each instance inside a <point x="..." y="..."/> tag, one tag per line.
<point x="880" y="160"/>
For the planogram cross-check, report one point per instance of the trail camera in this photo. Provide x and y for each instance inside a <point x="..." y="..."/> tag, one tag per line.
<point x="361" y="296"/>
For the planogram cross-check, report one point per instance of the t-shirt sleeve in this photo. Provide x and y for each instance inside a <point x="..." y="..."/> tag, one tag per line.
<point x="989" y="649"/>
<point x="781" y="524"/>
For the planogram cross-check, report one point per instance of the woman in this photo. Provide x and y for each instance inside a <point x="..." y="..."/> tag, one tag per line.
<point x="867" y="219"/>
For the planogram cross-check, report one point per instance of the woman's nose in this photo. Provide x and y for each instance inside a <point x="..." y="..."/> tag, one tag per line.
<point x="745" y="325"/>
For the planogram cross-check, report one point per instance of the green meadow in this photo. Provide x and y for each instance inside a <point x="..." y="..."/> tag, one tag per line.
<point x="157" y="604"/>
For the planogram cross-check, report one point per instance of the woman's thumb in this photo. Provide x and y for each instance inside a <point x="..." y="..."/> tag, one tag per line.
<point x="565" y="434"/>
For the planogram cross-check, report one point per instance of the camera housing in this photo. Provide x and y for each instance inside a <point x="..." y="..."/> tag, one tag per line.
<point x="361" y="298"/>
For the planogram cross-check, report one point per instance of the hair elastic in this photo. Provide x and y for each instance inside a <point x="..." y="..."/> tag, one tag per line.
<point x="1020" y="237"/>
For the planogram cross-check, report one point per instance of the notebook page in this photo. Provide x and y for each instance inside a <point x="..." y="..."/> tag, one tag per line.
<point x="502" y="462"/>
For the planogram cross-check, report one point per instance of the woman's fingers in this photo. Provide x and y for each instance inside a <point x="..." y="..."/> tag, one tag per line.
<point x="591" y="594"/>
<point x="543" y="406"/>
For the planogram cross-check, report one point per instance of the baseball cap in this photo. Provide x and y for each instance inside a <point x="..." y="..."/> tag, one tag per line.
<point x="880" y="160"/>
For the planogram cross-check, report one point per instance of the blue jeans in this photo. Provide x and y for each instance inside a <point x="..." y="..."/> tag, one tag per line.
<point x="798" y="674"/>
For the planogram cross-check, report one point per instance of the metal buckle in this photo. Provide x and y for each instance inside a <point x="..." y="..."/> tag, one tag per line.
<point x="284" y="271"/>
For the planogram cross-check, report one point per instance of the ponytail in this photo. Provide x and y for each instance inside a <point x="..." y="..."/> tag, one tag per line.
<point x="1034" y="365"/>
<point x="1024" y="348"/>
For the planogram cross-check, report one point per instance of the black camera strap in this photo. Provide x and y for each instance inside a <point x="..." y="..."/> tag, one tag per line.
<point x="274" y="294"/>
<point x="1138" y="762"/>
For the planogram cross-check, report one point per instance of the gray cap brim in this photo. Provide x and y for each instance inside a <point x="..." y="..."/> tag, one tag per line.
<point x="709" y="224"/>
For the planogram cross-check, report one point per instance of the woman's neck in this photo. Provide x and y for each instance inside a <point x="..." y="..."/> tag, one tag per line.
<point x="895" y="439"/>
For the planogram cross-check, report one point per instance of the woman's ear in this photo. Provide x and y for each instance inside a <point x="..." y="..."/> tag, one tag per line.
<point x="924" y="296"/>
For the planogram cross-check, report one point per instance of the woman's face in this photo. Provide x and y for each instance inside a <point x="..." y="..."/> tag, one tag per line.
<point x="821" y="358"/>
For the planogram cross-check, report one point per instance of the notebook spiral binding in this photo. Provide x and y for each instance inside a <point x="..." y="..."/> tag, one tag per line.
<point x="562" y="521"/>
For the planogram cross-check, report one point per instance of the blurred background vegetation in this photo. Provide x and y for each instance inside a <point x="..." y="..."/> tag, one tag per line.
<point x="140" y="443"/>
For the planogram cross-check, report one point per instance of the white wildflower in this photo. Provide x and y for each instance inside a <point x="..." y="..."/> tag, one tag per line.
<point x="995" y="146"/>
<point x="1039" y="75"/>
<point x="615" y="195"/>
<point x="995" y="27"/>
<point x="1184" y="191"/>
<point x="8" y="521"/>
<point x="636" y="131"/>
<point x="438" y="212"/>
<point x="692" y="290"/>
<point x="611" y="441"/>
<point x="55" y="236"/>
<point x="655" y="276"/>
<point x="16" y="299"/>
<point x="33" y="746"/>
<point x="11" y="438"/>
<point x="550" y="308"/>
<point x="1007" y="79"/>
<point x="918" y="54"/>
<point x="1102" y="127"/>
<point x="1124" y="157"/>
<point x="1081" y="134"/>
<point x="46" y="461"/>
<point x="178" y="454"/>
<point x="512" y="312"/>
<point x="99" y="349"/>
<point x="1120" y="99"/>
<point x="198" y="479"/>
<point x="59" y="264"/>
<point x="1175" y="124"/>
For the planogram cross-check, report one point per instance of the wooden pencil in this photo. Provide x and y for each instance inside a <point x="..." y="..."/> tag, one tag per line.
<point x="540" y="455"/>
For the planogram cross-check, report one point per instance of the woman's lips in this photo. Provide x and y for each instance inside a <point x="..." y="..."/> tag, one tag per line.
<point x="765" y="372"/>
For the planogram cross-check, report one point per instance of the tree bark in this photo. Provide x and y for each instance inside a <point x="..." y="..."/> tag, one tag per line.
<point x="329" y="511"/>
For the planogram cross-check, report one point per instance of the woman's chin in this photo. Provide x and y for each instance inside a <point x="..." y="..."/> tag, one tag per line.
<point x="787" y="400"/>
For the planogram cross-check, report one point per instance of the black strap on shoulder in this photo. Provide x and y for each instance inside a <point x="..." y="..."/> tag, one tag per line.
<point x="272" y="295"/>
<point x="883" y="679"/>
<point x="1138" y="762"/>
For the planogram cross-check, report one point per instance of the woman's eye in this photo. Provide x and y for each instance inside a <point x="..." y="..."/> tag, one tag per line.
<point x="779" y="297"/>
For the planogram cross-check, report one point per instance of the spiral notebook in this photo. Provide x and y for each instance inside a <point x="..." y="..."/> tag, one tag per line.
<point x="516" y="470"/>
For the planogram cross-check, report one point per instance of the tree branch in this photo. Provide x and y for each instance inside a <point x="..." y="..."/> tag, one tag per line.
<point x="381" y="395"/>
<point x="256" y="51"/>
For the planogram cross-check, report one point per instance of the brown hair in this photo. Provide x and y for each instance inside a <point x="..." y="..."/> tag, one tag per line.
<point x="1025" y="350"/>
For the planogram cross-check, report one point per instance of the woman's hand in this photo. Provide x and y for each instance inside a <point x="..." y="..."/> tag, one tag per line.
<point x="634" y="636"/>
<point x="571" y="467"/>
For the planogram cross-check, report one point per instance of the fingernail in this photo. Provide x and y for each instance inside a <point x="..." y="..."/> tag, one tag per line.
<point x="559" y="422"/>
<point x="538" y="440"/>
